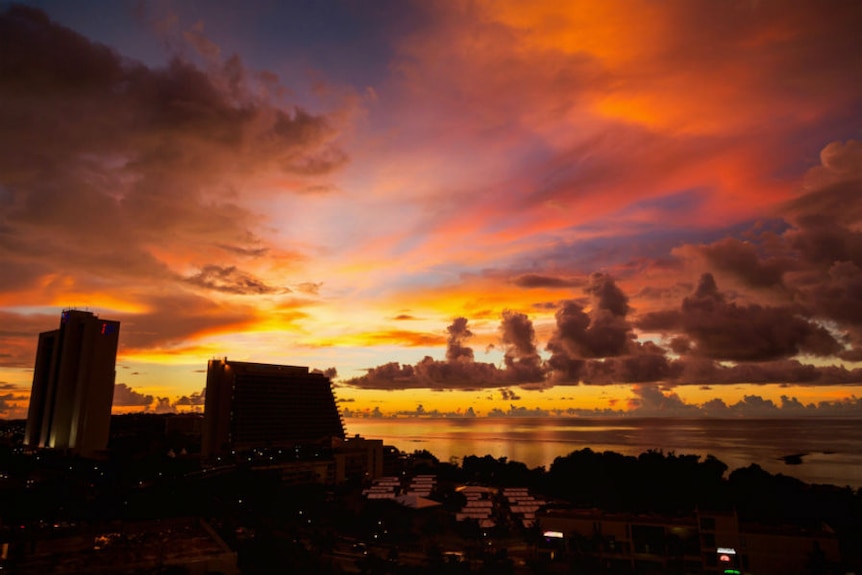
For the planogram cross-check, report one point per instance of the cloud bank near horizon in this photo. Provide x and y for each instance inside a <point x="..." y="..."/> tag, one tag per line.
<point x="647" y="401"/>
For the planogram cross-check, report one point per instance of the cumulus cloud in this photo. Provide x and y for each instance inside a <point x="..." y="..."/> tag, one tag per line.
<point x="649" y="400"/>
<point x="742" y="259"/>
<point x="603" y="332"/>
<point x="164" y="405"/>
<point x="523" y="363"/>
<point x="125" y="396"/>
<point x="363" y="413"/>
<point x="711" y="339"/>
<point x="516" y="411"/>
<point x="459" y="370"/>
<point x="196" y="399"/>
<point x="13" y="406"/>
<point x="812" y="263"/>
<point x="458" y="334"/>
<point x="827" y="237"/>
<point x="724" y="330"/>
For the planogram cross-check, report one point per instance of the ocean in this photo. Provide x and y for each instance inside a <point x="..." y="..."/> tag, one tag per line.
<point x="831" y="449"/>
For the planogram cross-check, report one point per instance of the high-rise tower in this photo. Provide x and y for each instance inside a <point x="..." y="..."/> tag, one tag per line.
<point x="73" y="384"/>
<point x="251" y="405"/>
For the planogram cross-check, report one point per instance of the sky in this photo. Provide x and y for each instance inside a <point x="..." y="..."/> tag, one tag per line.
<point x="463" y="208"/>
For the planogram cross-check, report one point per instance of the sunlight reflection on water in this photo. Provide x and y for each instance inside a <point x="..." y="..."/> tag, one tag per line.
<point x="832" y="447"/>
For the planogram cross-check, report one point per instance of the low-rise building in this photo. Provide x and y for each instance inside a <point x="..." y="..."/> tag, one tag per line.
<point x="704" y="542"/>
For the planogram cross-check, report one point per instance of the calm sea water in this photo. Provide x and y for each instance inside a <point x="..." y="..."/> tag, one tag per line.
<point x="832" y="448"/>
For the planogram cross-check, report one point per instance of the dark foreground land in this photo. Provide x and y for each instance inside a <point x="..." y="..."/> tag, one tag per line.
<point x="149" y="503"/>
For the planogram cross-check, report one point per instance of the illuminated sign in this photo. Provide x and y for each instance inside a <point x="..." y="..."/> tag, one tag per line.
<point x="553" y="534"/>
<point x="726" y="551"/>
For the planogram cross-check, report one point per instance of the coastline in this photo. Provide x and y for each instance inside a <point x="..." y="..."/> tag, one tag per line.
<point x="831" y="447"/>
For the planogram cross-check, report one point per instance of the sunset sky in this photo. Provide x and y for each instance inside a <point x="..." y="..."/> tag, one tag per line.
<point x="473" y="208"/>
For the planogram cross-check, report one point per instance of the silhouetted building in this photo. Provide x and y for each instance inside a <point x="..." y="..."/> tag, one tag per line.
<point x="256" y="405"/>
<point x="358" y="458"/>
<point x="703" y="542"/>
<point x="73" y="384"/>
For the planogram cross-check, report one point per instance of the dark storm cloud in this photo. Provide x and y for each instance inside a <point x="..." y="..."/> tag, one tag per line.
<point x="724" y="330"/>
<point x="231" y="280"/>
<point x="125" y="396"/>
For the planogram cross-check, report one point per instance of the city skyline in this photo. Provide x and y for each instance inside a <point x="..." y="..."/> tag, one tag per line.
<point x="474" y="208"/>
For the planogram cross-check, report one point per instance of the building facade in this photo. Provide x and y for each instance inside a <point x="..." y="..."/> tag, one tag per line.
<point x="256" y="405"/>
<point x="358" y="458"/>
<point x="73" y="384"/>
<point x="713" y="543"/>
